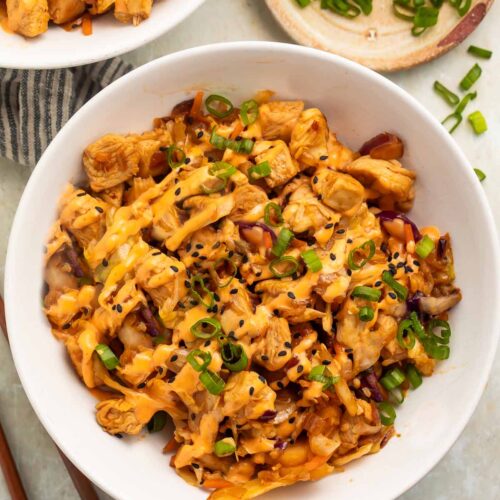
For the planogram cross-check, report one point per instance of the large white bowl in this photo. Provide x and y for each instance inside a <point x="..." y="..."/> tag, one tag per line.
<point x="57" y="48"/>
<point x="358" y="103"/>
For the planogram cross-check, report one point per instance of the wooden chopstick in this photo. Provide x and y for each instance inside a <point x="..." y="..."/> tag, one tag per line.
<point x="80" y="482"/>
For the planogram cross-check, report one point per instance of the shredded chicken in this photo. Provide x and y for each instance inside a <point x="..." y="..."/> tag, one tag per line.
<point x="261" y="313"/>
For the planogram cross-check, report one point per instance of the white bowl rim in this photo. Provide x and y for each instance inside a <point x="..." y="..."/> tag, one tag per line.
<point x="458" y="425"/>
<point x="70" y="60"/>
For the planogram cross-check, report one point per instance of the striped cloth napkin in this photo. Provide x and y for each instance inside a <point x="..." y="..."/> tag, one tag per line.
<point x="35" y="104"/>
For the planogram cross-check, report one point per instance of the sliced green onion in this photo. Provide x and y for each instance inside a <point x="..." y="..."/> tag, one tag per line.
<point x="220" y="186"/>
<point x="454" y="116"/>
<point x="303" y="3"/>
<point x="471" y="77"/>
<point x="291" y="266"/>
<point x="244" y="146"/>
<point x="234" y="356"/>
<point x="400" y="290"/>
<point x="478" y="122"/>
<point x="366" y="6"/>
<point x="461" y="6"/>
<point x="387" y="413"/>
<point x="396" y="395"/>
<point x="403" y="10"/>
<point x="217" y="141"/>
<point x="172" y="152"/>
<point x="221" y="102"/>
<point x="222" y="170"/>
<point x="465" y="101"/>
<point x="199" y="329"/>
<point x="225" y="447"/>
<point x="312" y="261"/>
<point x="234" y="270"/>
<point x="213" y="383"/>
<point x="451" y="98"/>
<point x="272" y="213"/>
<point x="368" y="247"/>
<point x="107" y="356"/>
<point x="157" y="423"/>
<point x="392" y="379"/>
<point x="366" y="313"/>
<point x="249" y="112"/>
<point x="417" y="327"/>
<point x="424" y="247"/>
<point x="321" y="373"/>
<point x="425" y="17"/>
<point x="366" y="292"/>
<point x="434" y="349"/>
<point x="193" y="357"/>
<point x="285" y="236"/>
<point x="256" y="172"/>
<point x="414" y="376"/>
<point x="480" y="174"/>
<point x="444" y="332"/>
<point x="406" y="335"/>
<point x="479" y="52"/>
<point x="198" y="280"/>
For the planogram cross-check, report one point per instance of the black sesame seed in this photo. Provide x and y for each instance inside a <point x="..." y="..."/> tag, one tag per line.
<point x="392" y="295"/>
<point x="217" y="244"/>
<point x="195" y="466"/>
<point x="264" y="357"/>
<point x="175" y="269"/>
<point x="280" y="384"/>
<point x="242" y="322"/>
<point x="396" y="255"/>
<point x="282" y="353"/>
<point x="276" y="312"/>
<point x="141" y="385"/>
<point x="113" y="308"/>
<point x="314" y="351"/>
<point x="392" y="271"/>
<point x="258" y="274"/>
<point x="291" y="420"/>
<point x="156" y="253"/>
<point x="174" y="358"/>
<point x="245" y="259"/>
<point x="119" y="436"/>
<point x="333" y="256"/>
<point x="323" y="157"/>
<point x="195" y="254"/>
<point x="400" y="265"/>
<point x="292" y="441"/>
<point x="105" y="262"/>
<point x="171" y="380"/>
<point x="389" y="259"/>
<point x="119" y="308"/>
<point x="408" y="269"/>
<point x="207" y="343"/>
<point x="315" y="179"/>
<point x="66" y="326"/>
<point x="81" y="194"/>
<point x="199" y="134"/>
<point x="291" y="295"/>
<point x="188" y="247"/>
<point x="288" y="344"/>
<point x="326" y="362"/>
<point x="99" y="209"/>
<point x="340" y="231"/>
<point x="230" y="253"/>
<point x="297" y="335"/>
<point x="215" y="308"/>
<point x="349" y="240"/>
<point x="262" y="379"/>
<point x="416" y="263"/>
<point x="176" y="181"/>
<point x="193" y="416"/>
<point x="234" y="291"/>
<point x="251" y="391"/>
<point x="182" y="343"/>
<point x="187" y="284"/>
<point x="378" y="283"/>
<point x="216" y="297"/>
<point x="300" y="369"/>
<point x="199" y="246"/>
<point x="329" y="226"/>
<point x="187" y="161"/>
<point x="349" y="272"/>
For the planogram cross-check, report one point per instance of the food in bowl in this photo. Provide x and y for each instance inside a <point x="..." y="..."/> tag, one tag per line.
<point x="245" y="273"/>
<point x="31" y="18"/>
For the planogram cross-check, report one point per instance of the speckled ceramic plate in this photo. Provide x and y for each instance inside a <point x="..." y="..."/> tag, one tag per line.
<point x="380" y="41"/>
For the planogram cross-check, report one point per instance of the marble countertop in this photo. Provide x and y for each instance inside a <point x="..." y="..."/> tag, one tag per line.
<point x="469" y="470"/>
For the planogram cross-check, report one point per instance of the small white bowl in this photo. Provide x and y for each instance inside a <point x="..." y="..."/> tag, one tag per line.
<point x="57" y="48"/>
<point x="358" y="103"/>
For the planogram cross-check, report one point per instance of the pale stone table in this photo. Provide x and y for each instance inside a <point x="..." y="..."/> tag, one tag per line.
<point x="470" y="470"/>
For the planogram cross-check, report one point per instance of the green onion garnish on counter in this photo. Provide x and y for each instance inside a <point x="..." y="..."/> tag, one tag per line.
<point x="367" y="293"/>
<point x="451" y="98"/>
<point x="213" y="383"/>
<point x="479" y="52"/>
<point x="223" y="108"/>
<point x="107" y="356"/>
<point x="312" y="261"/>
<point x="471" y="77"/>
<point x="478" y="122"/>
<point x="424" y="247"/>
<point x="480" y="174"/>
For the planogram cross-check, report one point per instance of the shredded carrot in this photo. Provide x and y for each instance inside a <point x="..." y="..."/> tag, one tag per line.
<point x="408" y="233"/>
<point x="237" y="130"/>
<point x="196" y="107"/>
<point x="87" y="24"/>
<point x="171" y="445"/>
<point x="268" y="242"/>
<point x="216" y="484"/>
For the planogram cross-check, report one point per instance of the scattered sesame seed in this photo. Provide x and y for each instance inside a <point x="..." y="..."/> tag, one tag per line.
<point x="288" y="344"/>
<point x="207" y="343"/>
<point x="389" y="259"/>
<point x="297" y="335"/>
<point x="291" y="295"/>
<point x="408" y="269"/>
<point x="276" y="312"/>
<point x="195" y="254"/>
<point x="113" y="308"/>
<point x="245" y="259"/>
<point x="230" y="253"/>
<point x="315" y="179"/>
<point x="216" y="297"/>
<point x="193" y="417"/>
<point x="340" y="231"/>
<point x="199" y="134"/>
<point x="280" y="384"/>
<point x="416" y="263"/>
<point x="203" y="257"/>
<point x="119" y="308"/>
<point x="141" y="385"/>
<point x="251" y="391"/>
<point x="400" y="265"/>
<point x="199" y="246"/>
<point x="187" y="284"/>
<point x="264" y="357"/>
<point x="349" y="240"/>
<point x="314" y="351"/>
<point x="396" y="255"/>
<point x="323" y="157"/>
<point x="333" y="256"/>
<point x="81" y="194"/>
<point x="217" y="244"/>
<point x="105" y="262"/>
<point x="119" y="436"/>
<point x="156" y="253"/>
<point x="242" y="322"/>
<point x="326" y="362"/>
<point x="282" y="353"/>
<point x="195" y="466"/>
<point x="175" y="269"/>
<point x="329" y="226"/>
<point x="349" y="272"/>
<point x="262" y="379"/>
<point x="174" y="358"/>
<point x="291" y="420"/>
<point x="171" y="379"/>
<point x="300" y="369"/>
<point x="66" y="326"/>
<point x="187" y="161"/>
<point x="378" y="283"/>
<point x="234" y="291"/>
<point x="392" y="295"/>
<point x="99" y="209"/>
<point x="188" y="247"/>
